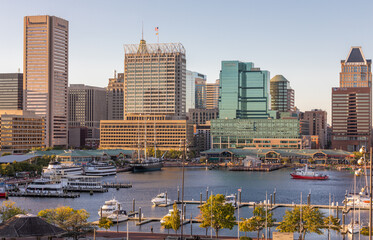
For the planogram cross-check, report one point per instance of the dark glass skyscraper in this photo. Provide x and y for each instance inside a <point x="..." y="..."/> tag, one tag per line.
<point x="11" y="91"/>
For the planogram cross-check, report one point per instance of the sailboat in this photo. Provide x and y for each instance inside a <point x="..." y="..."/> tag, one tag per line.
<point x="147" y="163"/>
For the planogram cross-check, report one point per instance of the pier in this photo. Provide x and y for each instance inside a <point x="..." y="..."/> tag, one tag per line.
<point x="116" y="185"/>
<point x="263" y="168"/>
<point x="90" y="190"/>
<point x="45" y="195"/>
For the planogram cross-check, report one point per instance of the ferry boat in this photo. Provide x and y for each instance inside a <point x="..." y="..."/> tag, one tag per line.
<point x="145" y="165"/>
<point x="59" y="168"/>
<point x="44" y="185"/>
<point x="304" y="173"/>
<point x="109" y="207"/>
<point x="118" y="216"/>
<point x="100" y="169"/>
<point x="161" y="199"/>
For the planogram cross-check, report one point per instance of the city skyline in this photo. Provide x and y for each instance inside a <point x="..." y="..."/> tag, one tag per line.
<point x="297" y="45"/>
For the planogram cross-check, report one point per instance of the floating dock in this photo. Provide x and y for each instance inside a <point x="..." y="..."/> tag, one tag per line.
<point x="45" y="195"/>
<point x="116" y="185"/>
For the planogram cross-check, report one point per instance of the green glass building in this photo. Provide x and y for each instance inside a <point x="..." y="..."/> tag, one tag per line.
<point x="244" y="91"/>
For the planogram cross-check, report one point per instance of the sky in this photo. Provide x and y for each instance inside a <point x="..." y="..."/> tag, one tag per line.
<point x="302" y="40"/>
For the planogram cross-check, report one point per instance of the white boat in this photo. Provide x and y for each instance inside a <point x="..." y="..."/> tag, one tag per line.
<point x="357" y="200"/>
<point x="100" y="169"/>
<point x="354" y="228"/>
<point x="161" y="199"/>
<point x="109" y="207"/>
<point x="118" y="216"/>
<point x="78" y="182"/>
<point x="44" y="185"/>
<point x="170" y="211"/>
<point x="61" y="168"/>
<point x="230" y="199"/>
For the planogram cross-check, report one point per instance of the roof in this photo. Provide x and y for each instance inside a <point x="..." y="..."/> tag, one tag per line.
<point x="28" y="226"/>
<point x="17" y="158"/>
<point x="355" y="55"/>
<point x="279" y="78"/>
<point x="83" y="153"/>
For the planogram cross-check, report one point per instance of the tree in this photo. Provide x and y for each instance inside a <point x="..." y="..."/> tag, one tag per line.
<point x="333" y="222"/>
<point x="6" y="154"/>
<point x="67" y="218"/>
<point x="364" y="231"/>
<point x="217" y="214"/>
<point x="173" y="221"/>
<point x="105" y="223"/>
<point x="9" y="209"/>
<point x="258" y="221"/>
<point x="312" y="221"/>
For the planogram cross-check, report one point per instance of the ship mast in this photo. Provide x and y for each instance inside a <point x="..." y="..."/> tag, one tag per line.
<point x="145" y="141"/>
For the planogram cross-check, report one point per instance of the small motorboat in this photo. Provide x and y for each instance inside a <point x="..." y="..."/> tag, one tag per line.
<point x="230" y="199"/>
<point x="304" y="173"/>
<point x="354" y="228"/>
<point x="109" y="207"/>
<point x="161" y="199"/>
<point x="118" y="216"/>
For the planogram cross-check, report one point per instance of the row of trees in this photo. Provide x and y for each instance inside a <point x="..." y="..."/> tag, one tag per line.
<point x="217" y="214"/>
<point x="10" y="169"/>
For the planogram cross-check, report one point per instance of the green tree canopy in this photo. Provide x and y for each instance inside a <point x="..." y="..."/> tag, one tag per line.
<point x="258" y="221"/>
<point x="333" y="222"/>
<point x="312" y="221"/>
<point x="173" y="221"/>
<point x="9" y="209"/>
<point x="105" y="223"/>
<point x="217" y="214"/>
<point x="67" y="218"/>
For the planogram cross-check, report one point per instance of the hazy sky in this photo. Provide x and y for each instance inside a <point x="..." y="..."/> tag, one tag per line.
<point x="302" y="40"/>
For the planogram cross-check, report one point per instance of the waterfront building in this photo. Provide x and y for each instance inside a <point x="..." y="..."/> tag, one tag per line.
<point x="138" y="130"/>
<point x="154" y="79"/>
<point x="87" y="106"/>
<point x="282" y="95"/>
<point x="317" y="120"/>
<point x="195" y="90"/>
<point x="255" y="133"/>
<point x="352" y="103"/>
<point x="243" y="91"/>
<point x="202" y="137"/>
<point x="115" y="97"/>
<point x="355" y="70"/>
<point x="45" y="75"/>
<point x="11" y="91"/>
<point x="21" y="131"/>
<point x="201" y="116"/>
<point x="351" y="118"/>
<point x="212" y="95"/>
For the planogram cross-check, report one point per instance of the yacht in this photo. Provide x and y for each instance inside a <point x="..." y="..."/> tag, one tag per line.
<point x="161" y="199"/>
<point x="170" y="211"/>
<point x="109" y="207"/>
<point x="44" y="185"/>
<point x="100" y="169"/>
<point x="61" y="168"/>
<point x="231" y="199"/>
<point x="118" y="216"/>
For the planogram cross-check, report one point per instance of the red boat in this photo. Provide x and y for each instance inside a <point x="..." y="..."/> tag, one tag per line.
<point x="303" y="173"/>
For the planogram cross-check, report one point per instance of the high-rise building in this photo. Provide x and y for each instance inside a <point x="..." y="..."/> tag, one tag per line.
<point x="115" y="96"/>
<point x="352" y="103"/>
<point x="317" y="120"/>
<point x="201" y="116"/>
<point x="282" y="95"/>
<point x="351" y="118"/>
<point x="20" y="131"/>
<point x="45" y="75"/>
<point x="212" y="95"/>
<point x="243" y="91"/>
<point x="154" y="79"/>
<point x="11" y="91"/>
<point x="190" y="91"/>
<point x="200" y="91"/>
<point x="87" y="106"/>
<point x="356" y="70"/>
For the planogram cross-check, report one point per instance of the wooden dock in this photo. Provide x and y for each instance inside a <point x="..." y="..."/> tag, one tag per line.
<point x="45" y="195"/>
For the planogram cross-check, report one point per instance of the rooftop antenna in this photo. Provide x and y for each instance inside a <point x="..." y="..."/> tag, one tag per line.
<point x="142" y="31"/>
<point x="115" y="73"/>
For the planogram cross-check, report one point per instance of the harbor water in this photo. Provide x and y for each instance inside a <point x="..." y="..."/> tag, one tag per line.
<point x="254" y="185"/>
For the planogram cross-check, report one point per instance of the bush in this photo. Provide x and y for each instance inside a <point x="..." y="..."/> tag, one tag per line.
<point x="245" y="238"/>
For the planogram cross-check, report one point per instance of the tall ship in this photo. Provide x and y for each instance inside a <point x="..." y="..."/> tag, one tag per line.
<point x="61" y="168"/>
<point x="100" y="169"/>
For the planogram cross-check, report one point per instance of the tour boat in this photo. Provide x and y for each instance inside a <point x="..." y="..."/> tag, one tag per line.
<point x="44" y="185"/>
<point x="109" y="207"/>
<point x="231" y="199"/>
<point x="61" y="168"/>
<point x="77" y="183"/>
<point x="161" y="199"/>
<point x="118" y="216"/>
<point x="304" y="173"/>
<point x="100" y="169"/>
